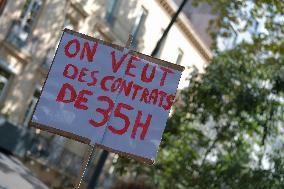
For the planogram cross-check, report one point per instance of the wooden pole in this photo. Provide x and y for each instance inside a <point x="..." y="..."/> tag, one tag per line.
<point x="99" y="167"/>
<point x="84" y="166"/>
<point x="129" y="41"/>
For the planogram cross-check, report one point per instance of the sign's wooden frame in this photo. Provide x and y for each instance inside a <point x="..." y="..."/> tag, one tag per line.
<point x="86" y="140"/>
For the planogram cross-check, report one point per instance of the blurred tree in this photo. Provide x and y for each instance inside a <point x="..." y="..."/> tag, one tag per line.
<point x="226" y="129"/>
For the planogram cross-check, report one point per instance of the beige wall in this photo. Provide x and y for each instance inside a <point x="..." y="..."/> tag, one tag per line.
<point x="157" y="20"/>
<point x="46" y="30"/>
<point x="12" y="11"/>
<point x="89" y="19"/>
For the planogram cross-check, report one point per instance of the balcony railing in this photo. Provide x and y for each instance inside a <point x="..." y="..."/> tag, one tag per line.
<point x="53" y="154"/>
<point x="47" y="150"/>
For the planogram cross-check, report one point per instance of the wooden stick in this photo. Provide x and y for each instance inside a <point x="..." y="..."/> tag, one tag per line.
<point x="129" y="41"/>
<point x="87" y="158"/>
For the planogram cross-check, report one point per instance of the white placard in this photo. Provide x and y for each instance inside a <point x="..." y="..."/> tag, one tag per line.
<point x="111" y="97"/>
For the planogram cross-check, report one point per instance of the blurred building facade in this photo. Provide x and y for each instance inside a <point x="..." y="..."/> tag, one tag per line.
<point x="29" y="33"/>
<point x="200" y="17"/>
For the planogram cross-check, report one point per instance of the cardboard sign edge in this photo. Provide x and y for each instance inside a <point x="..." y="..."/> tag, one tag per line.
<point x="128" y="155"/>
<point x="88" y="141"/>
<point x="121" y="48"/>
<point x="60" y="132"/>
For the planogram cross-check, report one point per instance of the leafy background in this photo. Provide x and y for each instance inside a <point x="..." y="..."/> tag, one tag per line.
<point x="227" y="127"/>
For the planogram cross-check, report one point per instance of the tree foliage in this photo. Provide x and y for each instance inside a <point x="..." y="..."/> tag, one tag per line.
<point x="226" y="131"/>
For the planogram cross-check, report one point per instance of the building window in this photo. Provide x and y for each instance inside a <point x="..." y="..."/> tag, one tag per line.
<point x="29" y="14"/>
<point x="48" y="58"/>
<point x="22" y="28"/>
<point x="4" y="79"/>
<point x="160" y="50"/>
<point x="179" y="56"/>
<point x="111" y="9"/>
<point x="2" y="5"/>
<point x="47" y="61"/>
<point x="139" y="22"/>
<point x="31" y="106"/>
<point x="84" y="2"/>
<point x="70" y="24"/>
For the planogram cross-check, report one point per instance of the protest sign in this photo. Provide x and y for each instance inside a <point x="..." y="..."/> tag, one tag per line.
<point x="100" y="93"/>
